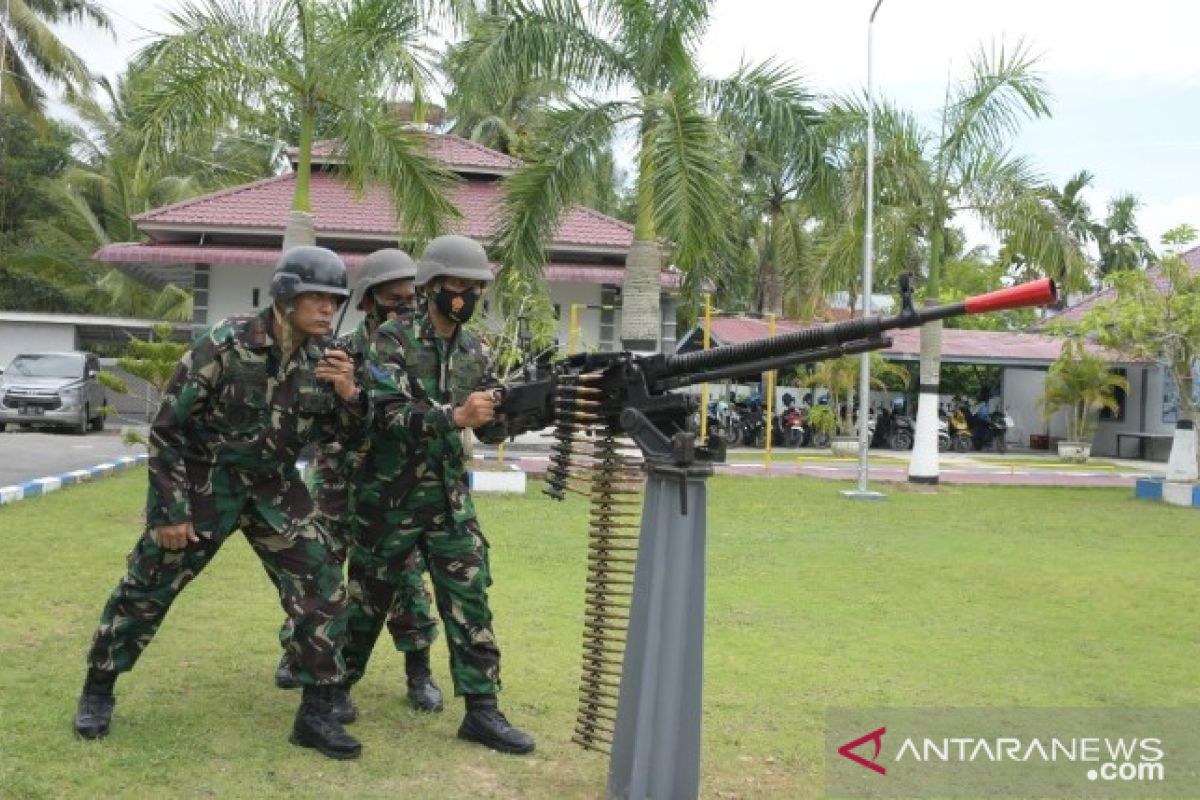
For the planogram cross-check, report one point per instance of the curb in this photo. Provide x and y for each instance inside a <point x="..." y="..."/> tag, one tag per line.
<point x="40" y="486"/>
<point x="1177" y="494"/>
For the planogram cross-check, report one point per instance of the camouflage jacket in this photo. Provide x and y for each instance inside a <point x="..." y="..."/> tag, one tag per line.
<point x="233" y="420"/>
<point x="335" y="462"/>
<point x="415" y="464"/>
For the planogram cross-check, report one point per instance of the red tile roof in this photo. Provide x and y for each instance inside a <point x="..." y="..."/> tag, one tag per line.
<point x="1076" y="312"/>
<point x="957" y="344"/>
<point x="264" y="205"/>
<point x="452" y="150"/>
<point x="150" y="253"/>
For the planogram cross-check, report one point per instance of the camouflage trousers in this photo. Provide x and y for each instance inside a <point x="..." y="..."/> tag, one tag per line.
<point x="458" y="567"/>
<point x="312" y="593"/>
<point x="410" y="619"/>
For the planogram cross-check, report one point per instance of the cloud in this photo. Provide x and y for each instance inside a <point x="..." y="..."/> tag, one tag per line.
<point x="917" y="41"/>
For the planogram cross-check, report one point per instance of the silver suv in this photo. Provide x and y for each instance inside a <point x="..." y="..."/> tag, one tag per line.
<point x="53" y="389"/>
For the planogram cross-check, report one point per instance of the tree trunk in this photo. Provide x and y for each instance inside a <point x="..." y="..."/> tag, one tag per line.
<point x="924" y="465"/>
<point x="1183" y="464"/>
<point x="641" y="315"/>
<point x="299" y="231"/>
<point x="770" y="286"/>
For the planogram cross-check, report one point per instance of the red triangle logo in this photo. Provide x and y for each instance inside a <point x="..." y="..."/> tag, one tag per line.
<point x="876" y="736"/>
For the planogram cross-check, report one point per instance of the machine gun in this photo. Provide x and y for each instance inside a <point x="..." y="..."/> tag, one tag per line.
<point x="653" y="724"/>
<point x="632" y="394"/>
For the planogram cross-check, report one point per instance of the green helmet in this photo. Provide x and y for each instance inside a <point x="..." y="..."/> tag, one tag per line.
<point x="454" y="257"/>
<point x="308" y="269"/>
<point x="383" y="266"/>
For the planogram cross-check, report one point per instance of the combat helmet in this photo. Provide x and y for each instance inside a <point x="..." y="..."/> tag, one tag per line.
<point x="383" y="266"/>
<point x="308" y="269"/>
<point x="453" y="256"/>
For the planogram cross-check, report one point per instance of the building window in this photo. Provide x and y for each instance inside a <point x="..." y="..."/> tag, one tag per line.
<point x="610" y="299"/>
<point x="200" y="296"/>
<point x="1119" y="394"/>
<point x="254" y="297"/>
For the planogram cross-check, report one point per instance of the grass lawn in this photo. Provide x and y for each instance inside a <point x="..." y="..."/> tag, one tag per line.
<point x="964" y="596"/>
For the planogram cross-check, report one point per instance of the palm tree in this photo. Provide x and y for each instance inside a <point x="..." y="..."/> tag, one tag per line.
<point x="29" y="50"/>
<point x="1084" y="384"/>
<point x="780" y="181"/>
<point x="901" y="190"/>
<point x="638" y="59"/>
<point x="971" y="169"/>
<point x="336" y="68"/>
<point x="1122" y="245"/>
<point x="97" y="194"/>
<point x="1073" y="217"/>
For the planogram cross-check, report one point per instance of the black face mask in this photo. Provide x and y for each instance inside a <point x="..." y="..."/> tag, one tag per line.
<point x="457" y="306"/>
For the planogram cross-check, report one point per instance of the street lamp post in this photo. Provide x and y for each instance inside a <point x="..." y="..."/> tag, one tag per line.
<point x="864" y="375"/>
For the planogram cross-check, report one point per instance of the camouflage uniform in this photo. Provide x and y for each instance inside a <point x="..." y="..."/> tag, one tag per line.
<point x="222" y="456"/>
<point x="413" y="495"/>
<point x="410" y="620"/>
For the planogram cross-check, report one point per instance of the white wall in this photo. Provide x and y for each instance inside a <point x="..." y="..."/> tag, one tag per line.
<point x="231" y="290"/>
<point x="231" y="293"/>
<point x="563" y="295"/>
<point x="33" y="337"/>
<point x="1023" y="387"/>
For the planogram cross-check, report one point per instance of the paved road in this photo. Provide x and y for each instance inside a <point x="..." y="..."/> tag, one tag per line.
<point x="25" y="455"/>
<point x="999" y="470"/>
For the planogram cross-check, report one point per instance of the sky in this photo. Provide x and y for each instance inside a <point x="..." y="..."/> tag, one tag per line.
<point x="1124" y="77"/>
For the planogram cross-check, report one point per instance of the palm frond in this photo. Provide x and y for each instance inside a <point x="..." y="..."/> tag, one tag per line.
<point x="987" y="109"/>
<point x="537" y="195"/>
<point x="380" y="149"/>
<point x="550" y="41"/>
<point x="689" y="161"/>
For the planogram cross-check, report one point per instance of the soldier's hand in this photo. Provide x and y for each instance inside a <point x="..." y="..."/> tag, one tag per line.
<point x="338" y="369"/>
<point x="176" y="537"/>
<point x="478" y="409"/>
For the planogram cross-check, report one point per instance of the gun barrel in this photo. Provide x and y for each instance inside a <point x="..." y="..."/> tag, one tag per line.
<point x="832" y="335"/>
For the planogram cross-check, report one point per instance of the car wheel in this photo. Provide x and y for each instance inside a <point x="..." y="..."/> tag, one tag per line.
<point x="902" y="441"/>
<point x="98" y="421"/>
<point x="3" y="425"/>
<point x="81" y="428"/>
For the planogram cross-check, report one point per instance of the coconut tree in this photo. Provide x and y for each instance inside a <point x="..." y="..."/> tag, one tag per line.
<point x="971" y="169"/>
<point x="633" y="66"/>
<point x="29" y="50"/>
<point x="1121" y="243"/>
<point x="901" y="188"/>
<point x="780" y="179"/>
<point x="335" y="67"/>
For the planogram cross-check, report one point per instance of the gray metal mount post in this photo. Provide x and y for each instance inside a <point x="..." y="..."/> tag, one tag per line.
<point x="656" y="744"/>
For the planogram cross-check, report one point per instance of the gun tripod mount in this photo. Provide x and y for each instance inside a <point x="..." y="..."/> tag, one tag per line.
<point x="656" y="744"/>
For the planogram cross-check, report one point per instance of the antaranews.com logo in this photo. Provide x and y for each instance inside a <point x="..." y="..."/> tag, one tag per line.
<point x="1013" y="752"/>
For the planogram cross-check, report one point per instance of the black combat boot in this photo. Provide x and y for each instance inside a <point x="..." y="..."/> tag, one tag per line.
<point x="94" y="712"/>
<point x="318" y="728"/>
<point x="344" y="709"/>
<point x="284" y="678"/>
<point x="485" y="724"/>
<point x="423" y="693"/>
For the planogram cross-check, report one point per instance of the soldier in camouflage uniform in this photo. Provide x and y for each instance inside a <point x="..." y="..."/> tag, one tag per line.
<point x="248" y="395"/>
<point x="423" y="375"/>
<point x="385" y="291"/>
